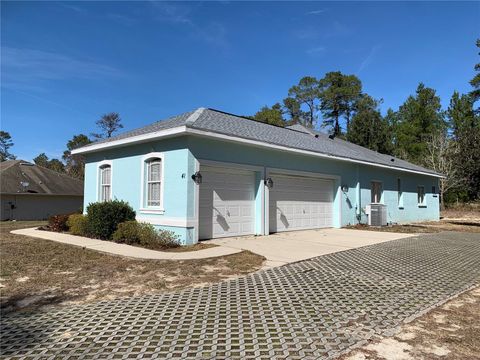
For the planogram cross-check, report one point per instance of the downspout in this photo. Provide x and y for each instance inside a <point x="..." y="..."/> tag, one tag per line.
<point x="358" y="206"/>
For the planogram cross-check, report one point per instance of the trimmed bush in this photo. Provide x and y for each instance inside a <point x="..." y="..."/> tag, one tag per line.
<point x="77" y="224"/>
<point x="103" y="217"/>
<point x="58" y="223"/>
<point x="144" y="234"/>
<point x="134" y="232"/>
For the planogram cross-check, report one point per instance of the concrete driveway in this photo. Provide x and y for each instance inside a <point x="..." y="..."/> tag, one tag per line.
<point x="287" y="247"/>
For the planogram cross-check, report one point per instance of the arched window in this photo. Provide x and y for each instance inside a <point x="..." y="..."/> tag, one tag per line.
<point x="151" y="199"/>
<point x="105" y="183"/>
<point x="153" y="184"/>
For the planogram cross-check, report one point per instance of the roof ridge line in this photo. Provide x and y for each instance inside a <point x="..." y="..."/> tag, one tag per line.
<point x="194" y="117"/>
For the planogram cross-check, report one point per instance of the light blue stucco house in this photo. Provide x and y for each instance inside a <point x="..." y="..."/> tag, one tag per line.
<point x="207" y="174"/>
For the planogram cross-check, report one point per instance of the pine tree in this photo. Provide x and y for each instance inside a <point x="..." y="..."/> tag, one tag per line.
<point x="368" y="128"/>
<point x="419" y="117"/>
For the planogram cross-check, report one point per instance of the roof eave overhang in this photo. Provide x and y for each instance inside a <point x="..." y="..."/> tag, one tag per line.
<point x="183" y="130"/>
<point x="237" y="139"/>
<point x="161" y="134"/>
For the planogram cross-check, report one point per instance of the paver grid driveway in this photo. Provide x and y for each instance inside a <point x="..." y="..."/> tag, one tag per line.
<point x="312" y="309"/>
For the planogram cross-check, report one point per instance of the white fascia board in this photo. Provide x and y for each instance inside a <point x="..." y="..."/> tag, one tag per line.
<point x="299" y="151"/>
<point x="161" y="134"/>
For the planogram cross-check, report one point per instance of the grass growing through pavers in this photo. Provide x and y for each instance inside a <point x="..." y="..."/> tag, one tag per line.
<point x="36" y="272"/>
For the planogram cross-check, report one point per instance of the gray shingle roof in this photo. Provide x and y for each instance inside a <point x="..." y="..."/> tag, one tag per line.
<point x="295" y="137"/>
<point x="40" y="180"/>
<point x="170" y="123"/>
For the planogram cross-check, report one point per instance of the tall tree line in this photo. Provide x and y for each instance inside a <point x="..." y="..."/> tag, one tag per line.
<point x="419" y="131"/>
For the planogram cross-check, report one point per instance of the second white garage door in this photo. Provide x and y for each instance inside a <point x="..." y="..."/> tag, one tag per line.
<point x="298" y="203"/>
<point x="227" y="202"/>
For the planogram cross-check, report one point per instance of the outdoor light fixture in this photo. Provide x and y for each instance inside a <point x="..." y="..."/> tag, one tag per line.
<point x="269" y="182"/>
<point x="344" y="188"/>
<point x="197" y="177"/>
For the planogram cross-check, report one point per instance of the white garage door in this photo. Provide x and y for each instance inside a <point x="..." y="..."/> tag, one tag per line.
<point x="227" y="202"/>
<point x="300" y="203"/>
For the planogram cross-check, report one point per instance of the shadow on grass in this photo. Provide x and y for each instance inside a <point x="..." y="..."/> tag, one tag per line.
<point x="27" y="303"/>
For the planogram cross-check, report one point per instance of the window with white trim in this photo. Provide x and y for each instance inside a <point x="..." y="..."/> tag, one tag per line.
<point x="153" y="184"/>
<point x="105" y="183"/>
<point x="376" y="192"/>
<point x="421" y="195"/>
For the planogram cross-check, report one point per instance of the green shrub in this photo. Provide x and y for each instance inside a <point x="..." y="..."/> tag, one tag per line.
<point x="144" y="234"/>
<point x="77" y="224"/>
<point x="103" y="217"/>
<point x="58" y="223"/>
<point x="167" y="239"/>
<point x="133" y="232"/>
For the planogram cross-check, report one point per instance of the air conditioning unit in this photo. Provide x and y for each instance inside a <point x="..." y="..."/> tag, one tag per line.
<point x="377" y="214"/>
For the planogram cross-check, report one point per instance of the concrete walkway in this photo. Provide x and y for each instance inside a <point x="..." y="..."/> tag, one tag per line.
<point x="287" y="247"/>
<point x="125" y="250"/>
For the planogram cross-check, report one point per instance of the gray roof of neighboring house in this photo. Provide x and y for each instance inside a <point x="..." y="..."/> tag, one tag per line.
<point x="295" y="137"/>
<point x="39" y="179"/>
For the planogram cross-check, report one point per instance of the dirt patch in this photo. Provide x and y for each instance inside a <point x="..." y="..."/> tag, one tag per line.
<point x="408" y="229"/>
<point x="37" y="273"/>
<point x="464" y="218"/>
<point x="463" y="211"/>
<point x="195" y="247"/>
<point x="428" y="227"/>
<point x="451" y="331"/>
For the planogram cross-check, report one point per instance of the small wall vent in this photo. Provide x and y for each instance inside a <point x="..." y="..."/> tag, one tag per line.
<point x="377" y="214"/>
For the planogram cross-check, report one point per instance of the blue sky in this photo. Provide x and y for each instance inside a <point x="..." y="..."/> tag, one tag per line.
<point x="64" y="64"/>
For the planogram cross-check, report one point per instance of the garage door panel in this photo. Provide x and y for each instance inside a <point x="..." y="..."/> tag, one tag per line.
<point x="300" y="203"/>
<point x="226" y="202"/>
<point x="233" y="194"/>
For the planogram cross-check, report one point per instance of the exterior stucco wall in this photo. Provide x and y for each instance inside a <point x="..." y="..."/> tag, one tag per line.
<point x="184" y="155"/>
<point x="38" y="207"/>
<point x="214" y="150"/>
<point x="127" y="167"/>
<point x="408" y="210"/>
<point x="357" y="177"/>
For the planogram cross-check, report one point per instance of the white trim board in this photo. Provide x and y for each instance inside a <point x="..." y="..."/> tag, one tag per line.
<point x="167" y="221"/>
<point x="182" y="130"/>
<point x="161" y="134"/>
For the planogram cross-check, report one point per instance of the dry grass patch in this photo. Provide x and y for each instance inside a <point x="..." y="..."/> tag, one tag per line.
<point x="195" y="247"/>
<point x="408" y="228"/>
<point x="427" y="227"/>
<point x="449" y="332"/>
<point x="464" y="218"/>
<point x="462" y="212"/>
<point x="37" y="272"/>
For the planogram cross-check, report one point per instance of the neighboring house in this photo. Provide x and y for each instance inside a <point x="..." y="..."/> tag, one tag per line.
<point x="207" y="174"/>
<point x="31" y="192"/>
